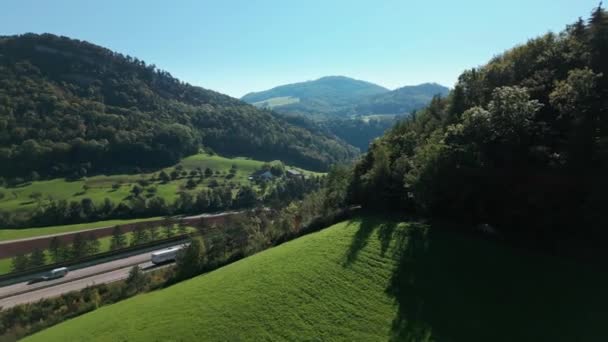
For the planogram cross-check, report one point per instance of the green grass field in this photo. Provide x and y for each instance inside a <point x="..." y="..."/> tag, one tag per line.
<point x="364" y="280"/>
<point x="277" y="101"/>
<point x="97" y="188"/>
<point x="100" y="187"/>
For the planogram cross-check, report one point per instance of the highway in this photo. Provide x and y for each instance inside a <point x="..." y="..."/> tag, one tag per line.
<point x="25" y="292"/>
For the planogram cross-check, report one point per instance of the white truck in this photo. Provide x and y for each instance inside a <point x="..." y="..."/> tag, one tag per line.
<point x="169" y="254"/>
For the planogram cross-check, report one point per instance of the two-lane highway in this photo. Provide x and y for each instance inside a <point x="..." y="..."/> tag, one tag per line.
<point x="107" y="272"/>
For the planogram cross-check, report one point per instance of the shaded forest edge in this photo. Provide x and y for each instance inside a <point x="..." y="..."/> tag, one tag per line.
<point x="519" y="148"/>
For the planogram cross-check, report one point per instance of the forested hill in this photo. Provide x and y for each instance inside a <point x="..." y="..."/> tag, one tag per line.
<point x="520" y="143"/>
<point x="340" y="97"/>
<point x="68" y="107"/>
<point x="328" y="95"/>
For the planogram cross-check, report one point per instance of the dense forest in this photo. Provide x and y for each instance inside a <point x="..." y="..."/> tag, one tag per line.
<point x="71" y="108"/>
<point x="520" y="145"/>
<point x="358" y="132"/>
<point x="400" y="101"/>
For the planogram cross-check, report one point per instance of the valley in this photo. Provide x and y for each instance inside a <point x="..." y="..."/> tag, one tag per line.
<point x="136" y="205"/>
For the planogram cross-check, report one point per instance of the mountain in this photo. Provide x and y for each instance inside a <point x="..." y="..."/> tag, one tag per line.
<point x="402" y="100"/>
<point x="325" y="96"/>
<point x="365" y="279"/>
<point x="69" y="107"/>
<point x="339" y="96"/>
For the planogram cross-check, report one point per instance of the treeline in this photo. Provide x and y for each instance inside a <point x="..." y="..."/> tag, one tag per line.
<point x="520" y="143"/>
<point x="71" y="108"/>
<point x="84" y="245"/>
<point x="144" y="202"/>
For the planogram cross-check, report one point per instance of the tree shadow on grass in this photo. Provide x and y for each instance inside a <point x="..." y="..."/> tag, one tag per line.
<point x="452" y="287"/>
<point x="366" y="228"/>
<point x="458" y="288"/>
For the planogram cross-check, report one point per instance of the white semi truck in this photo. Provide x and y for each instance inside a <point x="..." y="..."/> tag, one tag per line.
<point x="169" y="254"/>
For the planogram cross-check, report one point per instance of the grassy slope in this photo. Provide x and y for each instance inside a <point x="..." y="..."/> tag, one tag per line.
<point x="349" y="283"/>
<point x="277" y="101"/>
<point x="100" y="187"/>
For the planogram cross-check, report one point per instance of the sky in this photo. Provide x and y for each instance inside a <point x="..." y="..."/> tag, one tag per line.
<point x="236" y="47"/>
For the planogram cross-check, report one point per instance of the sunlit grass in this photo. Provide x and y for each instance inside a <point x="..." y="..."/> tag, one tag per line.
<point x="366" y="280"/>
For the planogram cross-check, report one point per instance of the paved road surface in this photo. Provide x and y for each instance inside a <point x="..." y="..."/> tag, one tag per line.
<point x="57" y="290"/>
<point x="102" y="273"/>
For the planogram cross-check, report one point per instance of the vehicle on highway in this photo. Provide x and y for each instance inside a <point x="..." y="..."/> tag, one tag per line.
<point x="53" y="274"/>
<point x="58" y="273"/>
<point x="166" y="255"/>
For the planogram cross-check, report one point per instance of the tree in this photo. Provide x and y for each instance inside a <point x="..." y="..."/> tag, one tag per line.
<point x="202" y="201"/>
<point x="88" y="207"/>
<point x="512" y="112"/>
<point x="19" y="263"/>
<point x="119" y="239"/>
<point x="169" y="232"/>
<point x="185" y="202"/>
<point x="277" y="169"/>
<point x="157" y="206"/>
<point x="75" y="211"/>
<point x="79" y="248"/>
<point x="246" y="197"/>
<point x="92" y="244"/>
<point x="174" y="174"/>
<point x="37" y="258"/>
<point x="55" y="249"/>
<point x="191" y="184"/>
<point x="106" y="208"/>
<point x="136" y="190"/>
<point x="137" y="279"/>
<point x="182" y="228"/>
<point x="153" y="233"/>
<point x="140" y="235"/>
<point x="191" y="259"/>
<point x="164" y="177"/>
<point x="208" y="172"/>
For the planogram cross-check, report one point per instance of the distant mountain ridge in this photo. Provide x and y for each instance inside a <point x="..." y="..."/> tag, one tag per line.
<point x="340" y="96"/>
<point x="401" y="100"/>
<point x="326" y="95"/>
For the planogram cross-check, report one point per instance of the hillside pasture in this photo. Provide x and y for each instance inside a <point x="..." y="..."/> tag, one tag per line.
<point x="367" y="279"/>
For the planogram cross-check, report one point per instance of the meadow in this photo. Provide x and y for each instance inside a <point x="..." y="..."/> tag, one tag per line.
<point x="23" y="200"/>
<point x="277" y="101"/>
<point x="29" y="196"/>
<point x="367" y="279"/>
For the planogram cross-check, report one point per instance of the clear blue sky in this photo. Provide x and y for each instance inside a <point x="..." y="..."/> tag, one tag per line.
<point x="239" y="46"/>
